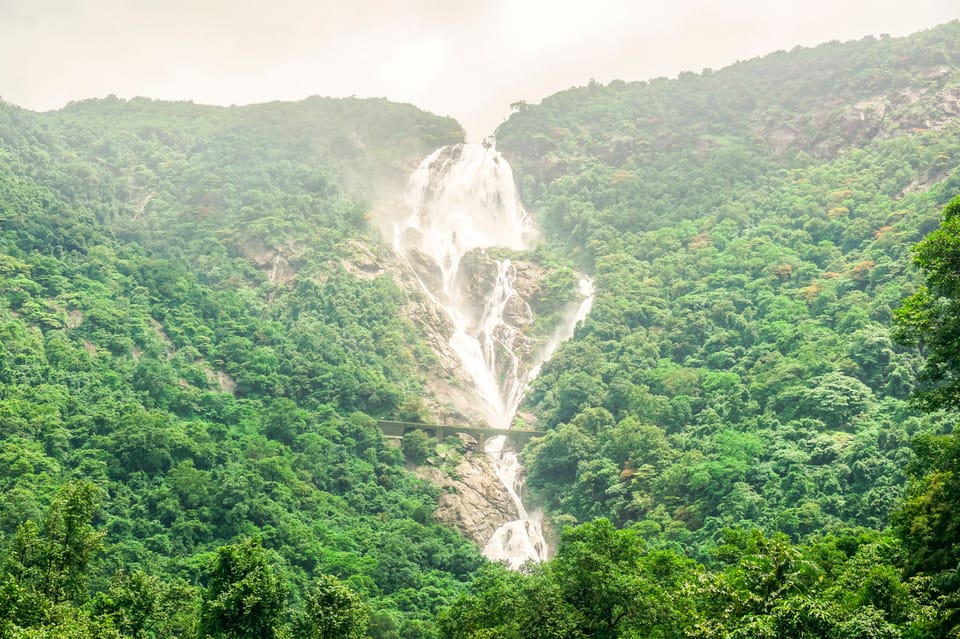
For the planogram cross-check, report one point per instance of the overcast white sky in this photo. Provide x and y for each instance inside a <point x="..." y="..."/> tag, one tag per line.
<point x="467" y="59"/>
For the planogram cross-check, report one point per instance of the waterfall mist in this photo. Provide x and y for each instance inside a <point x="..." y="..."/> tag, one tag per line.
<point x="463" y="206"/>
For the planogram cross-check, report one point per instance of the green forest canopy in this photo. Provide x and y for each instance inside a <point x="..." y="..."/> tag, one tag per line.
<point x="749" y="235"/>
<point x="190" y="370"/>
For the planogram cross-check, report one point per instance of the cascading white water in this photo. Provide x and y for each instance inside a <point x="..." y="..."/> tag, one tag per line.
<point x="462" y="200"/>
<point x="520" y="540"/>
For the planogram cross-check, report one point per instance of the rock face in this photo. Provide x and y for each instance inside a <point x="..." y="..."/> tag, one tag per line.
<point x="280" y="263"/>
<point x="478" y="277"/>
<point x="826" y="132"/>
<point x="474" y="500"/>
<point x="449" y="396"/>
<point x="423" y="265"/>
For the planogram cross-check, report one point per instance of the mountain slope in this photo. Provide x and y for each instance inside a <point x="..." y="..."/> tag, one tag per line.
<point x="749" y="233"/>
<point x="146" y="348"/>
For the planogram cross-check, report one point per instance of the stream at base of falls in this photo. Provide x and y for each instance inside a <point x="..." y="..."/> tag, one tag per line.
<point x="463" y="201"/>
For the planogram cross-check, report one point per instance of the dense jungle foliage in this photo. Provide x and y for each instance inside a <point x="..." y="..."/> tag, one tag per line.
<point x="198" y="397"/>
<point x="749" y="231"/>
<point x="840" y="581"/>
<point x="197" y="343"/>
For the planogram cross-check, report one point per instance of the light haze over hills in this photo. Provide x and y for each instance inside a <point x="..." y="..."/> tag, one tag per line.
<point x="469" y="60"/>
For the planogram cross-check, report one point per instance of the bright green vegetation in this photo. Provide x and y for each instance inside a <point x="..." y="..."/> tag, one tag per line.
<point x="607" y="583"/>
<point x="839" y="582"/>
<point x="144" y="352"/>
<point x="199" y="332"/>
<point x="929" y="317"/>
<point x="749" y="231"/>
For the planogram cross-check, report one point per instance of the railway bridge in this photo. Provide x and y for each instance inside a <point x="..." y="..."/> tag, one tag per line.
<point x="519" y="438"/>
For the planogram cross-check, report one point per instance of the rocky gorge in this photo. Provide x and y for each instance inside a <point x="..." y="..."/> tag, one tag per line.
<point x="492" y="314"/>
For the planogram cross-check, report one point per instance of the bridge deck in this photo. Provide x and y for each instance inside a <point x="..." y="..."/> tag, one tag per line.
<point x="397" y="429"/>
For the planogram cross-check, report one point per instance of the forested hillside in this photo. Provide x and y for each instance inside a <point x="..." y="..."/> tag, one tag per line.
<point x="160" y="359"/>
<point x="197" y="341"/>
<point x="736" y="409"/>
<point x="749" y="231"/>
<point x="840" y="581"/>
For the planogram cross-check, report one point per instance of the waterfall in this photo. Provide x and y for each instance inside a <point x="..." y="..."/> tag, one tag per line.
<point x="463" y="203"/>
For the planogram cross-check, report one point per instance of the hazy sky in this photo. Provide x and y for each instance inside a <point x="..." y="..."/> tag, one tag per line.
<point x="468" y="59"/>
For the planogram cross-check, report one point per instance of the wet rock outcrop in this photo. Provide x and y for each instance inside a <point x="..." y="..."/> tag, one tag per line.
<point x="474" y="500"/>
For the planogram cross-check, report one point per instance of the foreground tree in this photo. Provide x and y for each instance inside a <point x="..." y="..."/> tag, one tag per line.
<point x="145" y="606"/>
<point x="927" y="520"/>
<point x="603" y="584"/>
<point x="332" y="611"/>
<point x="47" y="566"/>
<point x="930" y="317"/>
<point x="48" y="563"/>
<point x="244" y="598"/>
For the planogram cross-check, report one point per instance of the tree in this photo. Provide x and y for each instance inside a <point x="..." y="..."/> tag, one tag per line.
<point x="332" y="611"/>
<point x="553" y="460"/>
<point x="927" y="519"/>
<point x="597" y="567"/>
<point x="52" y="560"/>
<point x="488" y="608"/>
<point x="927" y="523"/>
<point x="930" y="317"/>
<point x="244" y="598"/>
<point x="416" y="446"/>
<point x="836" y="399"/>
<point x="145" y="606"/>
